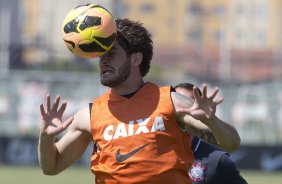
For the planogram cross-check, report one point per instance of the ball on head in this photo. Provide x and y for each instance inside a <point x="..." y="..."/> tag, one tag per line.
<point x="89" y="31"/>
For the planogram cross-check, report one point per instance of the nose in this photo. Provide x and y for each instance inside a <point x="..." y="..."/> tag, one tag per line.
<point x="104" y="59"/>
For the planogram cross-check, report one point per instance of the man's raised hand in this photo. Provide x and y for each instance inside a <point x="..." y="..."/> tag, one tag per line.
<point x="204" y="106"/>
<point x="51" y="118"/>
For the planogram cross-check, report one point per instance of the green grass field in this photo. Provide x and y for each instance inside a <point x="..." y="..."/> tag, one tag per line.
<point x="82" y="175"/>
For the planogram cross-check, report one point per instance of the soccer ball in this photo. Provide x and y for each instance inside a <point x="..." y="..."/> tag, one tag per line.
<point x="89" y="31"/>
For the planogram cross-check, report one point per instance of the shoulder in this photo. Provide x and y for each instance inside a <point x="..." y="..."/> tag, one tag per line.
<point x="218" y="165"/>
<point x="227" y="167"/>
<point x="227" y="170"/>
<point x="102" y="98"/>
<point x="82" y="120"/>
<point x="226" y="162"/>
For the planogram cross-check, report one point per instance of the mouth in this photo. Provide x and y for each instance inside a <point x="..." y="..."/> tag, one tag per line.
<point x="106" y="72"/>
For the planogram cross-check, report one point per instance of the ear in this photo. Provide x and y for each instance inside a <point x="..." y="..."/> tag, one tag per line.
<point x="136" y="58"/>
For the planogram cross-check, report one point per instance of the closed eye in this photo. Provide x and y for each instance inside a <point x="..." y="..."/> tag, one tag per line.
<point x="108" y="56"/>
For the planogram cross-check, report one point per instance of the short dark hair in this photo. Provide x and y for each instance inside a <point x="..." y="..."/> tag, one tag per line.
<point x="133" y="37"/>
<point x="187" y="86"/>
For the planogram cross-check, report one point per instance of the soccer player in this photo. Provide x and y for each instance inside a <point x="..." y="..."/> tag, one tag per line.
<point x="133" y="125"/>
<point x="211" y="165"/>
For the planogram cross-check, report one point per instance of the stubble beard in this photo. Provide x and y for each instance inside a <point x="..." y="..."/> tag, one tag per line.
<point x="117" y="79"/>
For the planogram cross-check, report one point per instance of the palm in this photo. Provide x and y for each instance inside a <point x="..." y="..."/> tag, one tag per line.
<point x="204" y="107"/>
<point x="51" y="124"/>
<point x="51" y="118"/>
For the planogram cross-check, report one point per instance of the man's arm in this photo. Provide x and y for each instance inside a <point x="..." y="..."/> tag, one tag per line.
<point x="200" y="120"/>
<point x="197" y="128"/>
<point x="214" y="131"/>
<point x="56" y="156"/>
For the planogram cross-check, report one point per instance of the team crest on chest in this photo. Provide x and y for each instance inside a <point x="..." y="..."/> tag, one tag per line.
<point x="197" y="172"/>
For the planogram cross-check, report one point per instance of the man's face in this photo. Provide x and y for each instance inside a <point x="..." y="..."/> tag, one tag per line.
<point x="114" y="66"/>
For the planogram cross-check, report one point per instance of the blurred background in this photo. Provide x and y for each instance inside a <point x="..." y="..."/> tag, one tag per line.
<point x="233" y="44"/>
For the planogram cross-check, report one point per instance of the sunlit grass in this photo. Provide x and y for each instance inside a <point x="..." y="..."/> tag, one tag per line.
<point x="256" y="177"/>
<point x="83" y="175"/>
<point x="33" y="175"/>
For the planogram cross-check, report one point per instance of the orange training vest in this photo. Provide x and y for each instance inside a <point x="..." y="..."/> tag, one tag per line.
<point x="138" y="139"/>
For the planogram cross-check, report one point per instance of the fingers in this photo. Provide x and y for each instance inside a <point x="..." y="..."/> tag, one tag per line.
<point x="196" y="93"/>
<point x="67" y="122"/>
<point x="215" y="92"/>
<point x="56" y="104"/>
<point x="48" y="103"/>
<point x="213" y="96"/>
<point x="218" y="101"/>
<point x="62" y="108"/>
<point x="42" y="110"/>
<point x="204" y="90"/>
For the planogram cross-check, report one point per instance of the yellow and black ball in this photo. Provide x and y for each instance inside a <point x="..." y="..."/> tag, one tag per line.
<point x="89" y="31"/>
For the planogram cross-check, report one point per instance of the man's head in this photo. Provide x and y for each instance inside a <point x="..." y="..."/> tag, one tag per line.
<point x="131" y="54"/>
<point x="134" y="38"/>
<point x="186" y="89"/>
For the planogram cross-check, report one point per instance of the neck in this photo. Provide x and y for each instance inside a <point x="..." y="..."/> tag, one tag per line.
<point x="127" y="88"/>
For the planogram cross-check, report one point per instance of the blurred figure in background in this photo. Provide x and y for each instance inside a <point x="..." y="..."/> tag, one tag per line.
<point x="211" y="165"/>
<point x="251" y="112"/>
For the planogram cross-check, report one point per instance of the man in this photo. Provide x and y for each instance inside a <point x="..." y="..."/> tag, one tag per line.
<point x="211" y="165"/>
<point x="133" y="125"/>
